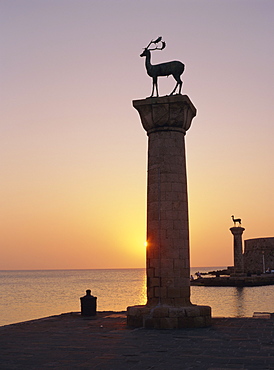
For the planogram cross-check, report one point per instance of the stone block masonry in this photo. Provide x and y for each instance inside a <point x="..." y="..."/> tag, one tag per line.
<point x="166" y="121"/>
<point x="238" y="250"/>
<point x="258" y="255"/>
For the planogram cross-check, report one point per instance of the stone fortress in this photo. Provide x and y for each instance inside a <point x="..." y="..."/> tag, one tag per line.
<point x="258" y="256"/>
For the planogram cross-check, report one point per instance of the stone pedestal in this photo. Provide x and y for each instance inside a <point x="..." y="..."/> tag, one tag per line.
<point x="237" y="233"/>
<point x="166" y="121"/>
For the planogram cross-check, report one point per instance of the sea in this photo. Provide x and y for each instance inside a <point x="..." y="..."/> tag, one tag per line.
<point x="33" y="294"/>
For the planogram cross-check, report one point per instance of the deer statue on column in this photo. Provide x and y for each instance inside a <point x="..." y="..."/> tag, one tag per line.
<point x="174" y="68"/>
<point x="236" y="220"/>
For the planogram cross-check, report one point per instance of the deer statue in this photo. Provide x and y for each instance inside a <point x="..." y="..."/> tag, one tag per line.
<point x="174" y="68"/>
<point x="236" y="220"/>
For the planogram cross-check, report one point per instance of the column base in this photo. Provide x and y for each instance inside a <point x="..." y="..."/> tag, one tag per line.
<point x="167" y="317"/>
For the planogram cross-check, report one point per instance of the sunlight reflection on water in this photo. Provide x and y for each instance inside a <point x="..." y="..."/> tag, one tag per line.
<point x="27" y="295"/>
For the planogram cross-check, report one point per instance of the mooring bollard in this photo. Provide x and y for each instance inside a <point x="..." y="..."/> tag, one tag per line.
<point x="88" y="304"/>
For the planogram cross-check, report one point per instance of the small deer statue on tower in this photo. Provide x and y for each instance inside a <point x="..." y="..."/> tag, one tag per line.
<point x="236" y="220"/>
<point x="174" y="68"/>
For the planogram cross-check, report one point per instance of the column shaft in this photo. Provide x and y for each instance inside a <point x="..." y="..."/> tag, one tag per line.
<point x="238" y="249"/>
<point x="167" y="220"/>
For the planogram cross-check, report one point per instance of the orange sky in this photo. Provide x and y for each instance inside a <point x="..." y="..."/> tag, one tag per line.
<point x="73" y="152"/>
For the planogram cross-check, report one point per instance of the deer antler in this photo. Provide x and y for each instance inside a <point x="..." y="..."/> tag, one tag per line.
<point x="159" y="39"/>
<point x="161" y="48"/>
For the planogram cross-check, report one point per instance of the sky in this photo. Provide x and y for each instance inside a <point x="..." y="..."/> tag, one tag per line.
<point x="73" y="151"/>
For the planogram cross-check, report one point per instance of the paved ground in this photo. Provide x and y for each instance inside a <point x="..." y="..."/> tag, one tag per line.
<point x="69" y="341"/>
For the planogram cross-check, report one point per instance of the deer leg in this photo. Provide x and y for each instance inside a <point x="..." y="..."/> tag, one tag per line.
<point x="179" y="83"/>
<point x="154" y="84"/>
<point x="157" y="88"/>
<point x="173" y="91"/>
<point x="152" y="90"/>
<point x="180" y="87"/>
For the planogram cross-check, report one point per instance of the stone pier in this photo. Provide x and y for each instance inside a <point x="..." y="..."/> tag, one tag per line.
<point x="166" y="121"/>
<point x="237" y="233"/>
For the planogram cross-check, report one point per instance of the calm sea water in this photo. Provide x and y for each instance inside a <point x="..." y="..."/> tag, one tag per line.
<point x="27" y="295"/>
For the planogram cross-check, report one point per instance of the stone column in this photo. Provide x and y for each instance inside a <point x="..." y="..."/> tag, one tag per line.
<point x="166" y="121"/>
<point x="237" y="233"/>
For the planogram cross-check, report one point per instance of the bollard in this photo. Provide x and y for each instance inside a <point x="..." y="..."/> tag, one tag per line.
<point x="88" y="304"/>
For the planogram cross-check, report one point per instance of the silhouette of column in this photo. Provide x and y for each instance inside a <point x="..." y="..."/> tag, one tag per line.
<point x="237" y="233"/>
<point x="166" y="121"/>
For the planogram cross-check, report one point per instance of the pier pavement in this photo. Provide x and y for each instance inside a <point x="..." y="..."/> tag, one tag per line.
<point x="69" y="341"/>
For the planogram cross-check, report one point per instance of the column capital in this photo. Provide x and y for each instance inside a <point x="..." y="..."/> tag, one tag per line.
<point x="167" y="113"/>
<point x="237" y="230"/>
